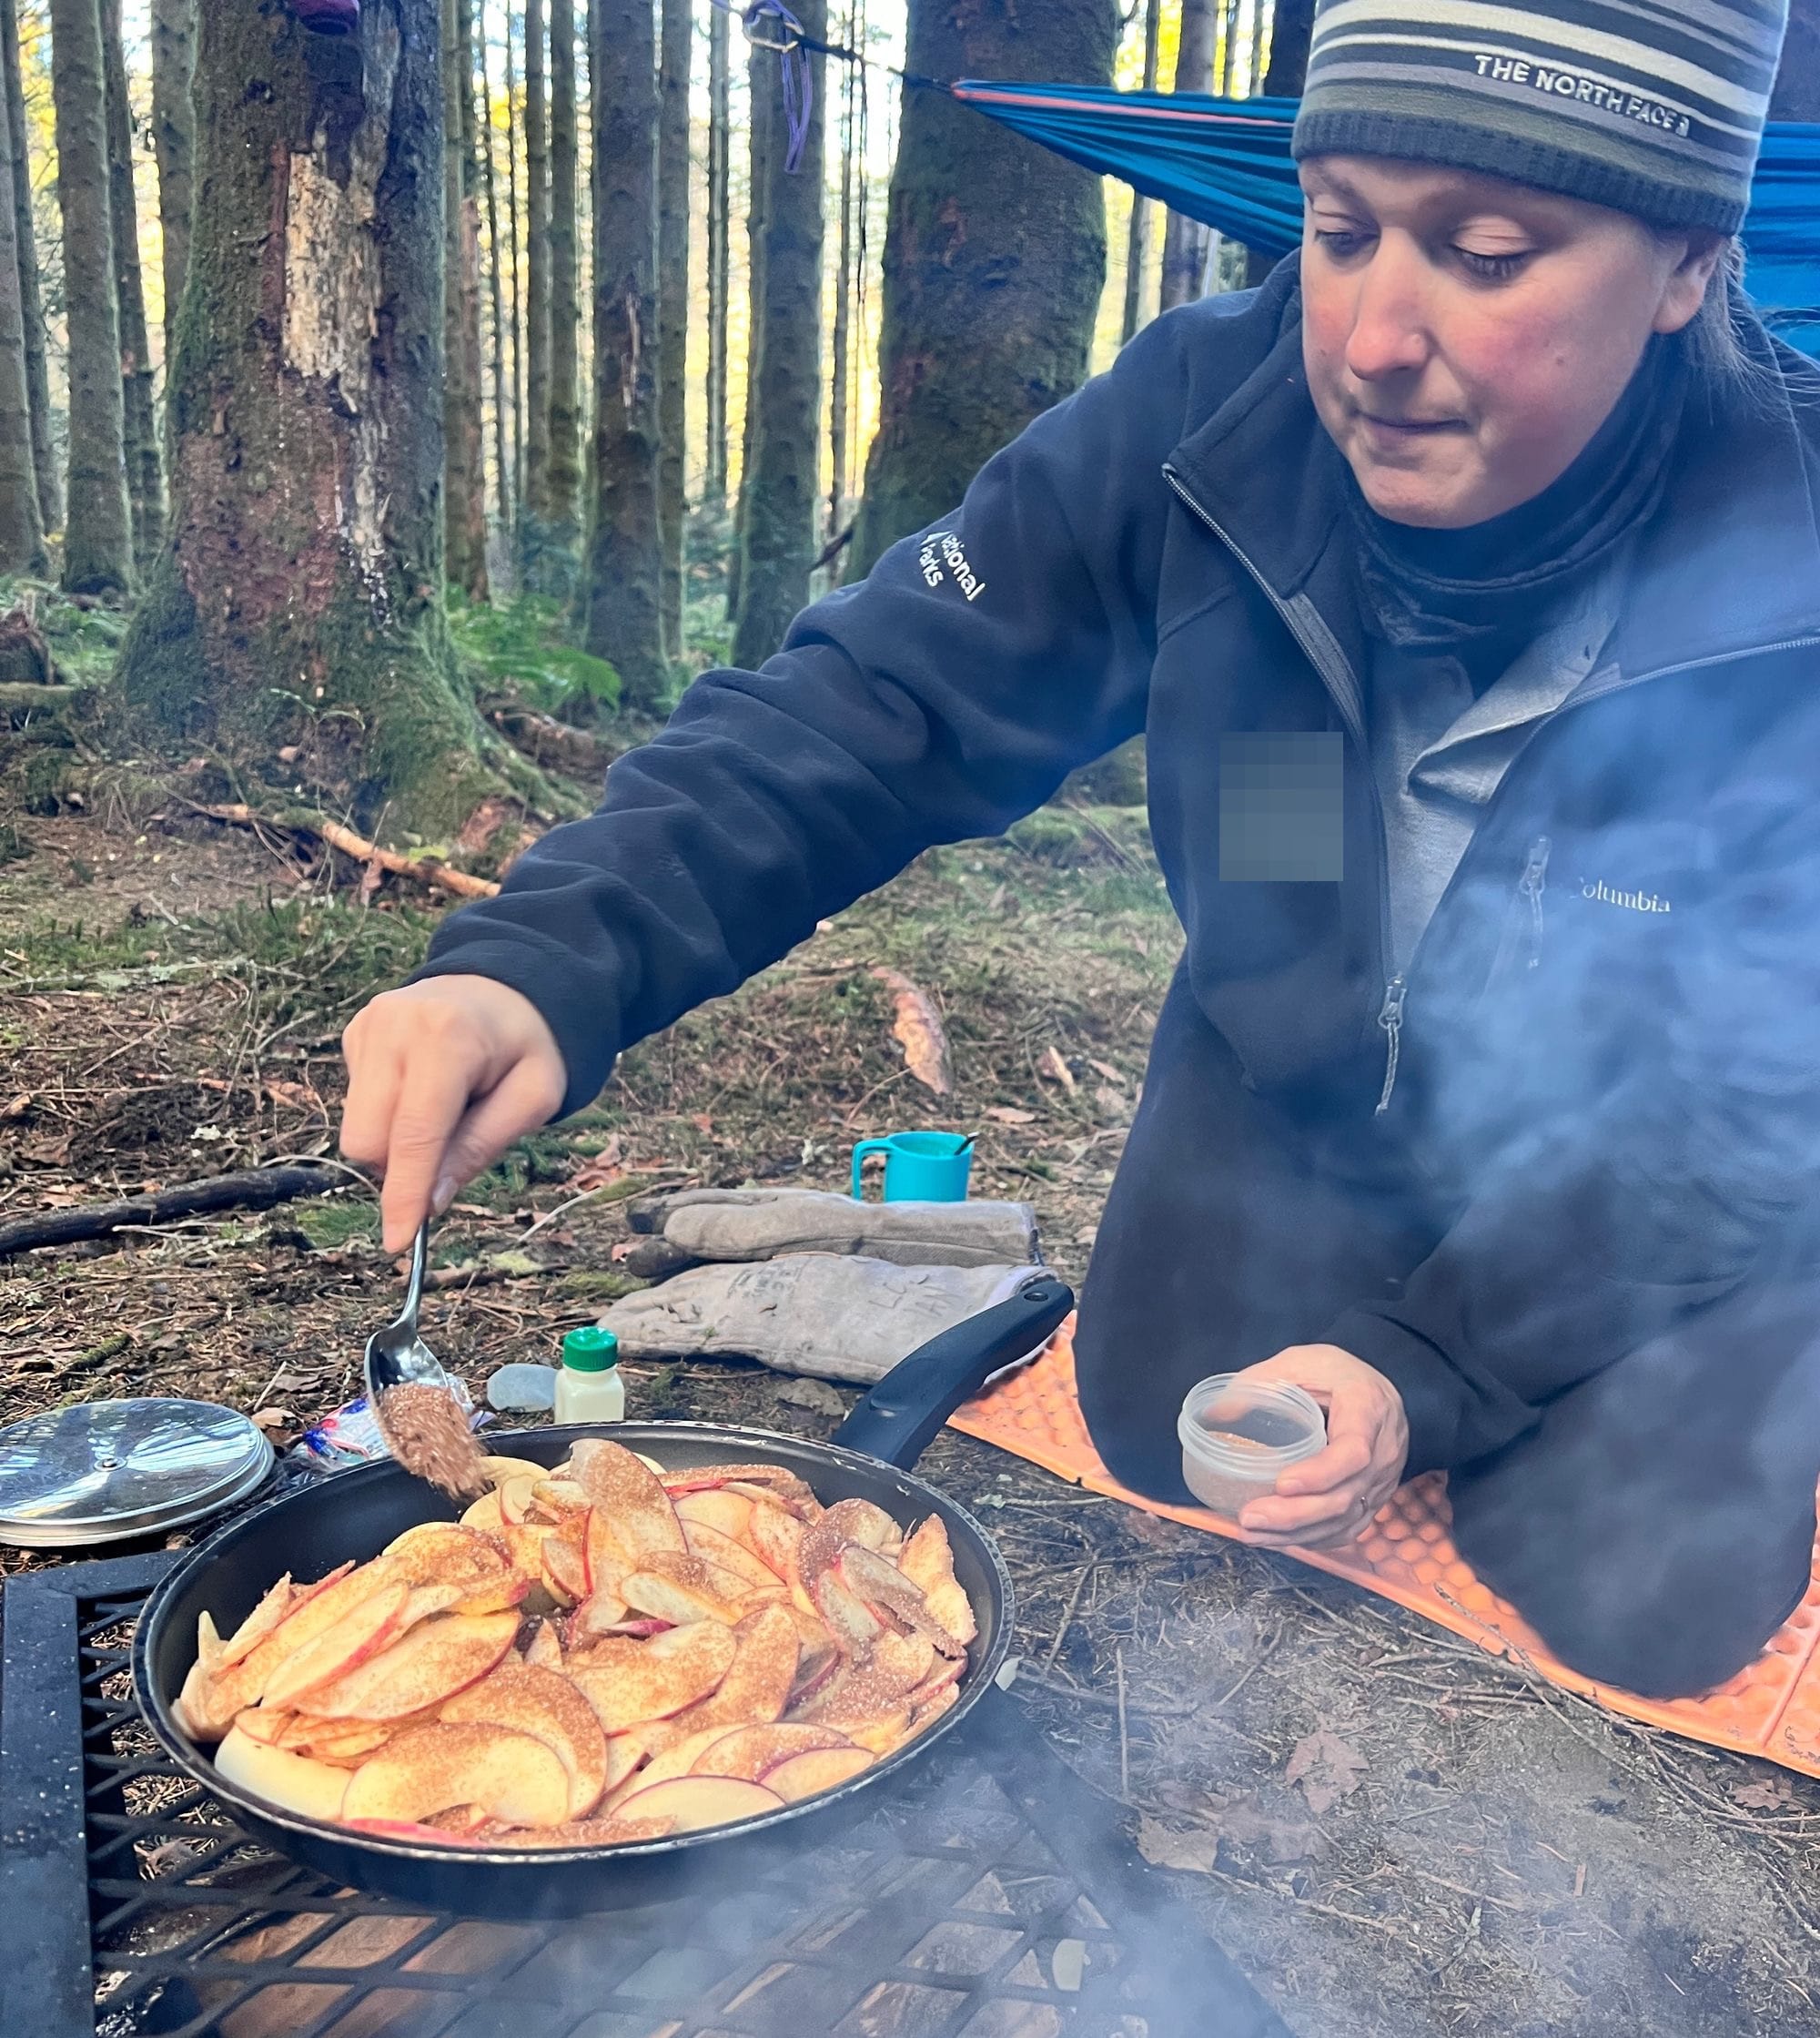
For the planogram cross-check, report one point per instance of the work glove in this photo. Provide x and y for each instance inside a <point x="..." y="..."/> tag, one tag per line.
<point x="690" y="1226"/>
<point x="839" y="1317"/>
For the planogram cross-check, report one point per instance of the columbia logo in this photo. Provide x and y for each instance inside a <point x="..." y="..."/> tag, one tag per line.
<point x="1598" y="890"/>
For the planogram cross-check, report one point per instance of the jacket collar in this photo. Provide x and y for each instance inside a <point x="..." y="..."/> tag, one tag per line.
<point x="1730" y="564"/>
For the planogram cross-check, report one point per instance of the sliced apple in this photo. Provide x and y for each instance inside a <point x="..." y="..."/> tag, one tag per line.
<point x="751" y="1752"/>
<point x="855" y="1626"/>
<point x="253" y="1630"/>
<point x="609" y="1832"/>
<point x="600" y="1615"/>
<point x="757" y="1481"/>
<point x="630" y="1682"/>
<point x="484" y="1514"/>
<point x="756" y="1687"/>
<point x="543" y="1649"/>
<point x="424" y="1668"/>
<point x="891" y="1595"/>
<point x="879" y="1732"/>
<point x="947" y="1672"/>
<point x="630" y="1495"/>
<point x="715" y="1507"/>
<point x="684" y="1756"/>
<point x="445" y="1554"/>
<point x="682" y="1593"/>
<point x="803" y="1505"/>
<point x="551" y="1498"/>
<point x="515" y="1497"/>
<point x="361" y="1632"/>
<point x="822" y="1769"/>
<point x="564" y="1557"/>
<point x="499" y="1469"/>
<point x="932" y="1707"/>
<point x="510" y="1776"/>
<point x="865" y="1523"/>
<point x="776" y="1536"/>
<point x="712" y="1546"/>
<point x="348" y="1741"/>
<point x="697" y="1801"/>
<point x="882" y="1680"/>
<point x="416" y="1834"/>
<point x="312" y="1790"/>
<point x="928" y="1560"/>
<point x="545" y="1705"/>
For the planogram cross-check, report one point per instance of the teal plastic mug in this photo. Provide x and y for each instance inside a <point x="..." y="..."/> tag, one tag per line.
<point x="919" y="1167"/>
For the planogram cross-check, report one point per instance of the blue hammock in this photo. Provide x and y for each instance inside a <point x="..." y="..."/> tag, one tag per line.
<point x="1227" y="162"/>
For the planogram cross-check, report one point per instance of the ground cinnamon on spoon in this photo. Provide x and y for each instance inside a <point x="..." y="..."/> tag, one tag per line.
<point x="429" y="1435"/>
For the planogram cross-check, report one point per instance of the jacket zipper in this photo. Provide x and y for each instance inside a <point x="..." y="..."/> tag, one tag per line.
<point x="1341" y="690"/>
<point x="1390" y="1012"/>
<point x="1535" y="875"/>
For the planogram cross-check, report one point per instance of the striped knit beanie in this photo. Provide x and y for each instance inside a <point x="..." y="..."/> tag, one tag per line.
<point x="1654" y="107"/>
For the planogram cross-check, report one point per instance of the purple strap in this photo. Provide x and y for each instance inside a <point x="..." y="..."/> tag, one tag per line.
<point x="799" y="80"/>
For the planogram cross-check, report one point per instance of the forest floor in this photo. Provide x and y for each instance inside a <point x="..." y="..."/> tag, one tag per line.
<point x="1471" y="1854"/>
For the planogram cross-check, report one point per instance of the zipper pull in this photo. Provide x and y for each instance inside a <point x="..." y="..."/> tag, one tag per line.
<point x="1390" y="1017"/>
<point x="1534" y="875"/>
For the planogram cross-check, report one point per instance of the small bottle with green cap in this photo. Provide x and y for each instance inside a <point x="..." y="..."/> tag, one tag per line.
<point x="589" y="1388"/>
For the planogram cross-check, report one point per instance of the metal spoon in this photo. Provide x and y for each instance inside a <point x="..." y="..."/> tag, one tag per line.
<point x="397" y="1357"/>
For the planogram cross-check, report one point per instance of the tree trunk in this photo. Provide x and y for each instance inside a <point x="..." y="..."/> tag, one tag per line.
<point x="21" y="531"/>
<point x="761" y="80"/>
<point x="98" y="537"/>
<point x="673" y="301"/>
<point x="777" y="528"/>
<point x="145" y="470"/>
<point x="719" y="217"/>
<point x="1798" y="84"/>
<point x="625" y="553"/>
<point x="30" y="304"/>
<point x="494" y="289"/>
<point x="1237" y="13"/>
<point x="298" y="599"/>
<point x="516" y="303"/>
<point x="840" y="368"/>
<point x="1291" y="26"/>
<point x="994" y="258"/>
<point x="1137" y="247"/>
<point x="536" y="497"/>
<point x="1185" y="239"/>
<point x="565" y="401"/>
<point x="174" y="141"/>
<point x="465" y="504"/>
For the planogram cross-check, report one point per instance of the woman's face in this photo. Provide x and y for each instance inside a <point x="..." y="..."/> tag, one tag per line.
<point x="1465" y="337"/>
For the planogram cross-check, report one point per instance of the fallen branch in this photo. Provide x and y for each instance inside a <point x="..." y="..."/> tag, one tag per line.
<point x="428" y="870"/>
<point x="254" y="1188"/>
<point x="26" y="696"/>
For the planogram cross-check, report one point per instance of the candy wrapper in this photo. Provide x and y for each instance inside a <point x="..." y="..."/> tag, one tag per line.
<point x="349" y="1436"/>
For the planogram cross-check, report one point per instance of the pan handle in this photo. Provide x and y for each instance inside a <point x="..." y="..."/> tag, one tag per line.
<point x="898" y="1418"/>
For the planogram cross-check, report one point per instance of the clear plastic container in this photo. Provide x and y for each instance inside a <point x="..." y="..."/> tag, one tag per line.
<point x="1238" y="1435"/>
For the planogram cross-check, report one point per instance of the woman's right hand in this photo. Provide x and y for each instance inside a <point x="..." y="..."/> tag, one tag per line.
<point x="442" y="1076"/>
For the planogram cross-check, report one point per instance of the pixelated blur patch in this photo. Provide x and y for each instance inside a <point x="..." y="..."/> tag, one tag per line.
<point x="1280" y="808"/>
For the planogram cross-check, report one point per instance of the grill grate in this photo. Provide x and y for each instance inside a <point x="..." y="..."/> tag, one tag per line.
<point x="989" y="1897"/>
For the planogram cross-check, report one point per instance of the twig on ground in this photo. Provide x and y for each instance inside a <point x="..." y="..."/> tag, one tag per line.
<point x="427" y="870"/>
<point x="1060" y="1634"/>
<point x="255" y="1189"/>
<point x="1124" y="1737"/>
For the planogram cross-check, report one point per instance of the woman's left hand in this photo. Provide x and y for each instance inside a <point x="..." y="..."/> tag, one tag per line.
<point x="1328" y="1498"/>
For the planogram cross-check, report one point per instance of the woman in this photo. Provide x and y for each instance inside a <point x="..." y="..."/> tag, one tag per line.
<point x="1465" y="582"/>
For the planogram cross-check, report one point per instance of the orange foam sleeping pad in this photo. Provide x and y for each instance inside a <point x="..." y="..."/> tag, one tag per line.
<point x="1772" y="1708"/>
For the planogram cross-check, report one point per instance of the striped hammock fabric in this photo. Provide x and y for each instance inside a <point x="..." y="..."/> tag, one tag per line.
<point x="1227" y="162"/>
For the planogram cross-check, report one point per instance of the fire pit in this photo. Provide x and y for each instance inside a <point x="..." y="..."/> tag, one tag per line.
<point x="989" y="1896"/>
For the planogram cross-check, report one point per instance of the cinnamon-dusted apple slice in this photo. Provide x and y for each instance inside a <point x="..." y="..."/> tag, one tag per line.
<point x="630" y="1495"/>
<point x="890" y="1594"/>
<point x="515" y="1497"/>
<point x="499" y="1469"/>
<point x="756" y="1687"/>
<point x="363" y="1631"/>
<point x="797" y="1500"/>
<point x="427" y="1665"/>
<point x="732" y="1557"/>
<point x="600" y="1615"/>
<point x="544" y="1704"/>
<point x="776" y="1535"/>
<point x="421" y="1835"/>
<point x="682" y="1757"/>
<point x="478" y="1566"/>
<point x="609" y="1832"/>
<point x="343" y="1741"/>
<point x="895" y="1665"/>
<point x="563" y="1554"/>
<point x="855" y="1626"/>
<point x="685" y="1590"/>
<point x="553" y="1498"/>
<point x="823" y="1769"/>
<point x="879" y="1732"/>
<point x="543" y="1648"/>
<point x="275" y="1607"/>
<point x="864" y="1521"/>
<point x="751" y="1752"/>
<point x="945" y="1673"/>
<point x="610" y="1556"/>
<point x="932" y="1708"/>
<point x="928" y="1560"/>
<point x="757" y="1481"/>
<point x="628" y="1682"/>
<point x="696" y="1802"/>
<point x="715" y="1507"/>
<point x="484" y="1512"/>
<point x="312" y="1790"/>
<point x="510" y="1776"/>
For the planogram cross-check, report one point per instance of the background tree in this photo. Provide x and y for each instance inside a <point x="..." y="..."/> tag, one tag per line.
<point x="145" y="469"/>
<point x="466" y="499"/>
<point x="1291" y="26"/>
<point x="98" y="556"/>
<point x="173" y="144"/>
<point x="1185" y="239"/>
<point x="516" y="307"/>
<point x="840" y="367"/>
<point x="625" y="558"/>
<point x="1137" y="253"/>
<point x="31" y="307"/>
<point x="995" y="254"/>
<point x="22" y="533"/>
<point x="1798" y="83"/>
<point x="484" y="141"/>
<point x="719" y="221"/>
<point x="535" y="499"/>
<point x="299" y="598"/>
<point x="762" y="79"/>
<point x="672" y="300"/>
<point x="778" y="493"/>
<point x="564" y="478"/>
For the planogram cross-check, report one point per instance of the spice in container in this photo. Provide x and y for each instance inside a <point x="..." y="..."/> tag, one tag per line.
<point x="589" y="1388"/>
<point x="427" y="1429"/>
<point x="1238" y="1435"/>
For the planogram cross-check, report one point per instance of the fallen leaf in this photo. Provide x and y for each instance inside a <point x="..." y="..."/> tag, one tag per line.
<point x="814" y="1395"/>
<point x="372" y="878"/>
<point x="918" y="1027"/>
<point x="605" y="1167"/>
<point x="1768" y="1795"/>
<point x="270" y="1419"/>
<point x="1053" y="1068"/>
<point x="17" y="1107"/>
<point x="1164" y="1847"/>
<point x="1007" y="1114"/>
<point x="1112" y="1103"/>
<point x="701" y="1122"/>
<point x="1327" y="1767"/>
<point x="47" y="1152"/>
<point x="1107" y="1070"/>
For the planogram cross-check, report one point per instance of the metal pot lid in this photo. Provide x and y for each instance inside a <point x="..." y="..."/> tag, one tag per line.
<point x="105" y="1470"/>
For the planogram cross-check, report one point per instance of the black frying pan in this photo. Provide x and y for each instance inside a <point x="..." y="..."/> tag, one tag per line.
<point x="356" y="1514"/>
